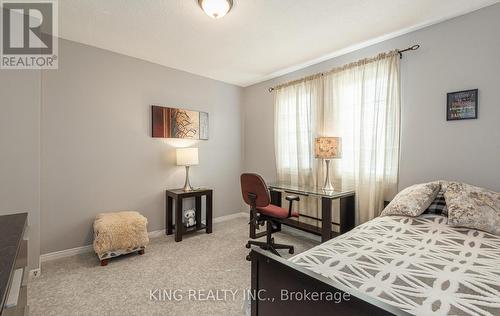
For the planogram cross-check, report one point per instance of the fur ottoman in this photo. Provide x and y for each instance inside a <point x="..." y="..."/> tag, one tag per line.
<point x="119" y="233"/>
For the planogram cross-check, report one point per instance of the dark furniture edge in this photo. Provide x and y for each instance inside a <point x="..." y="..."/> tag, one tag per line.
<point x="12" y="228"/>
<point x="188" y="194"/>
<point x="280" y="274"/>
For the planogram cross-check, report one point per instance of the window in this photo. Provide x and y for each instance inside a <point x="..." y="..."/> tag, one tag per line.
<point x="295" y="110"/>
<point x="359" y="103"/>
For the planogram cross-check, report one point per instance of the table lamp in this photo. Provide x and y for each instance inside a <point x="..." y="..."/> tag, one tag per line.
<point x="328" y="148"/>
<point x="187" y="157"/>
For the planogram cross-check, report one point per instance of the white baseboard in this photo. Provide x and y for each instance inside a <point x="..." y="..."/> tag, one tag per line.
<point x="89" y="248"/>
<point x="156" y="233"/>
<point x="65" y="253"/>
<point x="230" y="217"/>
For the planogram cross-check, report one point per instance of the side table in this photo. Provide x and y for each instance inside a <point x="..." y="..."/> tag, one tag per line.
<point x="176" y="196"/>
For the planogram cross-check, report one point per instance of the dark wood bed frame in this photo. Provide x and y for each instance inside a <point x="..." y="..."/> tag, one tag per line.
<point x="271" y="274"/>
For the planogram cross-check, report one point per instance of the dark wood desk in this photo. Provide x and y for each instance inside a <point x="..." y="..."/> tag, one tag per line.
<point x="177" y="196"/>
<point x="13" y="262"/>
<point x="325" y="231"/>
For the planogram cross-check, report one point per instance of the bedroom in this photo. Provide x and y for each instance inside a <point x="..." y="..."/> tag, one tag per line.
<point x="77" y="141"/>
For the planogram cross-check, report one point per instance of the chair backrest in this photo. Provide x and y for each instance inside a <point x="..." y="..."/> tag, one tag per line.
<point x="253" y="183"/>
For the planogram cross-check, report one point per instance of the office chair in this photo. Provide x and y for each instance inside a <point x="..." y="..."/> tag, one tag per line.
<point x="256" y="194"/>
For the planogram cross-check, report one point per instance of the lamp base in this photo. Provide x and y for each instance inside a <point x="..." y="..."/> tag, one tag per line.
<point x="187" y="185"/>
<point x="328" y="185"/>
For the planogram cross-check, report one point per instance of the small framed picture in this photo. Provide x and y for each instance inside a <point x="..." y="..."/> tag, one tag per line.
<point x="462" y="105"/>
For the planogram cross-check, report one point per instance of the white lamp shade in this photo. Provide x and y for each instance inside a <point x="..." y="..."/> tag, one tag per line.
<point x="187" y="156"/>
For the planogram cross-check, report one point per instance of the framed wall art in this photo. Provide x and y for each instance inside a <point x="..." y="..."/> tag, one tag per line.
<point x="169" y="122"/>
<point x="462" y="105"/>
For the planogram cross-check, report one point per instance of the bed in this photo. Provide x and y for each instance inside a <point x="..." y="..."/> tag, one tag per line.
<point x="389" y="265"/>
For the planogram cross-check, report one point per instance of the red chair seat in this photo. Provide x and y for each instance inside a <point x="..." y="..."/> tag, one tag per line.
<point x="276" y="211"/>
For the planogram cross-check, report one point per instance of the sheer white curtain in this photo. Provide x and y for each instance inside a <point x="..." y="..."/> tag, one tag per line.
<point x="361" y="104"/>
<point x="296" y="119"/>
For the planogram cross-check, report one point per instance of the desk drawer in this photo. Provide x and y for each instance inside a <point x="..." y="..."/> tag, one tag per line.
<point x="22" y="256"/>
<point x="20" y="307"/>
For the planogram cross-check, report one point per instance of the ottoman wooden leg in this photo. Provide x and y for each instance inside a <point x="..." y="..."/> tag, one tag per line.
<point x="104" y="262"/>
<point x="141" y="252"/>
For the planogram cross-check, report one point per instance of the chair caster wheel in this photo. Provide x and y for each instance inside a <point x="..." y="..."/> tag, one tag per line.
<point x="248" y="258"/>
<point x="248" y="246"/>
<point x="290" y="251"/>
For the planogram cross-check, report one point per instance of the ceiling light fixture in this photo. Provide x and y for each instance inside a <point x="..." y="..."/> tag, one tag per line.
<point x="216" y="8"/>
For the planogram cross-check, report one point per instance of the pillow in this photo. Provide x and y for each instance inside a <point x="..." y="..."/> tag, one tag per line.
<point x="413" y="200"/>
<point x="473" y="207"/>
<point x="438" y="206"/>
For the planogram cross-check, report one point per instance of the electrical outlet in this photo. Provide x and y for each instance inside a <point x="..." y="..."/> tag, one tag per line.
<point x="35" y="273"/>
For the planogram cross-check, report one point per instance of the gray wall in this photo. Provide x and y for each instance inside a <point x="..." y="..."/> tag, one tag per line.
<point x="97" y="155"/>
<point x="97" y="151"/>
<point x="20" y="151"/>
<point x="459" y="54"/>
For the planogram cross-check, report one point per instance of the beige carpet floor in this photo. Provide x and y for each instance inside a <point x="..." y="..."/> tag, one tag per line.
<point x="199" y="265"/>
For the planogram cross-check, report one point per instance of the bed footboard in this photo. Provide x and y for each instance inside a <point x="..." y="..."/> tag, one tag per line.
<point x="280" y="287"/>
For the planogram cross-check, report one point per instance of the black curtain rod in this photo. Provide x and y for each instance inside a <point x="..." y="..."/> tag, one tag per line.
<point x="400" y="52"/>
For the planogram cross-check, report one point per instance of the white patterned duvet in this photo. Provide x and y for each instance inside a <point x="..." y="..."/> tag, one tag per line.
<point x="418" y="264"/>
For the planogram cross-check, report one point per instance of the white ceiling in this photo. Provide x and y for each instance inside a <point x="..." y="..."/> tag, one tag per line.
<point x="257" y="40"/>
